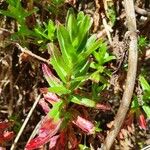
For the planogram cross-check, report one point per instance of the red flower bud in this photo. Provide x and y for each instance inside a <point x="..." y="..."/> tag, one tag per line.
<point x="142" y="121"/>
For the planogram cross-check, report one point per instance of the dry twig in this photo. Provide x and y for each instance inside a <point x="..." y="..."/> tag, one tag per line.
<point x="24" y="50"/>
<point x="142" y="11"/>
<point x="96" y="16"/>
<point x="108" y="29"/>
<point x="35" y="131"/>
<point x="25" y="123"/>
<point x="131" y="76"/>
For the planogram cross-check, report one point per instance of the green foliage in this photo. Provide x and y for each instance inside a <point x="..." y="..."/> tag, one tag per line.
<point x="146" y="95"/>
<point x="55" y="112"/>
<point x="17" y="12"/>
<point x="96" y="89"/>
<point x="40" y="34"/>
<point x="78" y="29"/>
<point x="111" y="14"/>
<point x="145" y="104"/>
<point x="142" y="42"/>
<point x="75" y="56"/>
<point x="71" y="62"/>
<point x="17" y="123"/>
<point x="47" y="32"/>
<point x="58" y="2"/>
<point x="101" y="58"/>
<point x="83" y="101"/>
<point x="83" y="147"/>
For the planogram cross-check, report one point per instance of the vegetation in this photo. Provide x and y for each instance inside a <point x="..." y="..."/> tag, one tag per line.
<point x="73" y="56"/>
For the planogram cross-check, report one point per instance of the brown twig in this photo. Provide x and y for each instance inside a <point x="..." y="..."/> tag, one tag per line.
<point x="10" y="105"/>
<point x="131" y="76"/>
<point x="96" y="16"/>
<point x="101" y="34"/>
<point x="24" y="50"/>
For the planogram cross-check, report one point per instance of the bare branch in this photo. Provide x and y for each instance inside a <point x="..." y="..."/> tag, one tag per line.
<point x="131" y="76"/>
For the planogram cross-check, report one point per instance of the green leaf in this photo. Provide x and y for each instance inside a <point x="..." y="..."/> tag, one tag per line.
<point x="41" y="32"/>
<point x="67" y="50"/>
<point x="24" y="31"/>
<point x="71" y="24"/>
<point x="13" y="2"/>
<point x="83" y="28"/>
<point x="7" y="13"/>
<point x="111" y="14"/>
<point x="146" y="96"/>
<point x="48" y="32"/>
<point x="16" y="11"/>
<point x="97" y="129"/>
<point x="142" y="42"/>
<point x="57" y="2"/>
<point x="146" y="109"/>
<point x="83" y="101"/>
<point x="83" y="147"/>
<point x="84" y="55"/>
<point x="55" y="112"/>
<point x="135" y="105"/>
<point x="96" y="89"/>
<point x="89" y="50"/>
<point x="80" y="17"/>
<point x="51" y="30"/>
<point x="81" y="69"/>
<point x="58" y="63"/>
<point x="109" y="58"/>
<point x="51" y="79"/>
<point x="102" y="56"/>
<point x="95" y="77"/>
<point x="75" y="82"/>
<point x="59" y="90"/>
<point x="60" y="71"/>
<point x="90" y="41"/>
<point x="144" y="84"/>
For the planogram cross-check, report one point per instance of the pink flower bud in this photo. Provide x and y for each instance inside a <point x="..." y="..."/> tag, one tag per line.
<point x="51" y="97"/>
<point x="44" y="105"/>
<point x="47" y="130"/>
<point x="85" y="125"/>
<point x="53" y="141"/>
